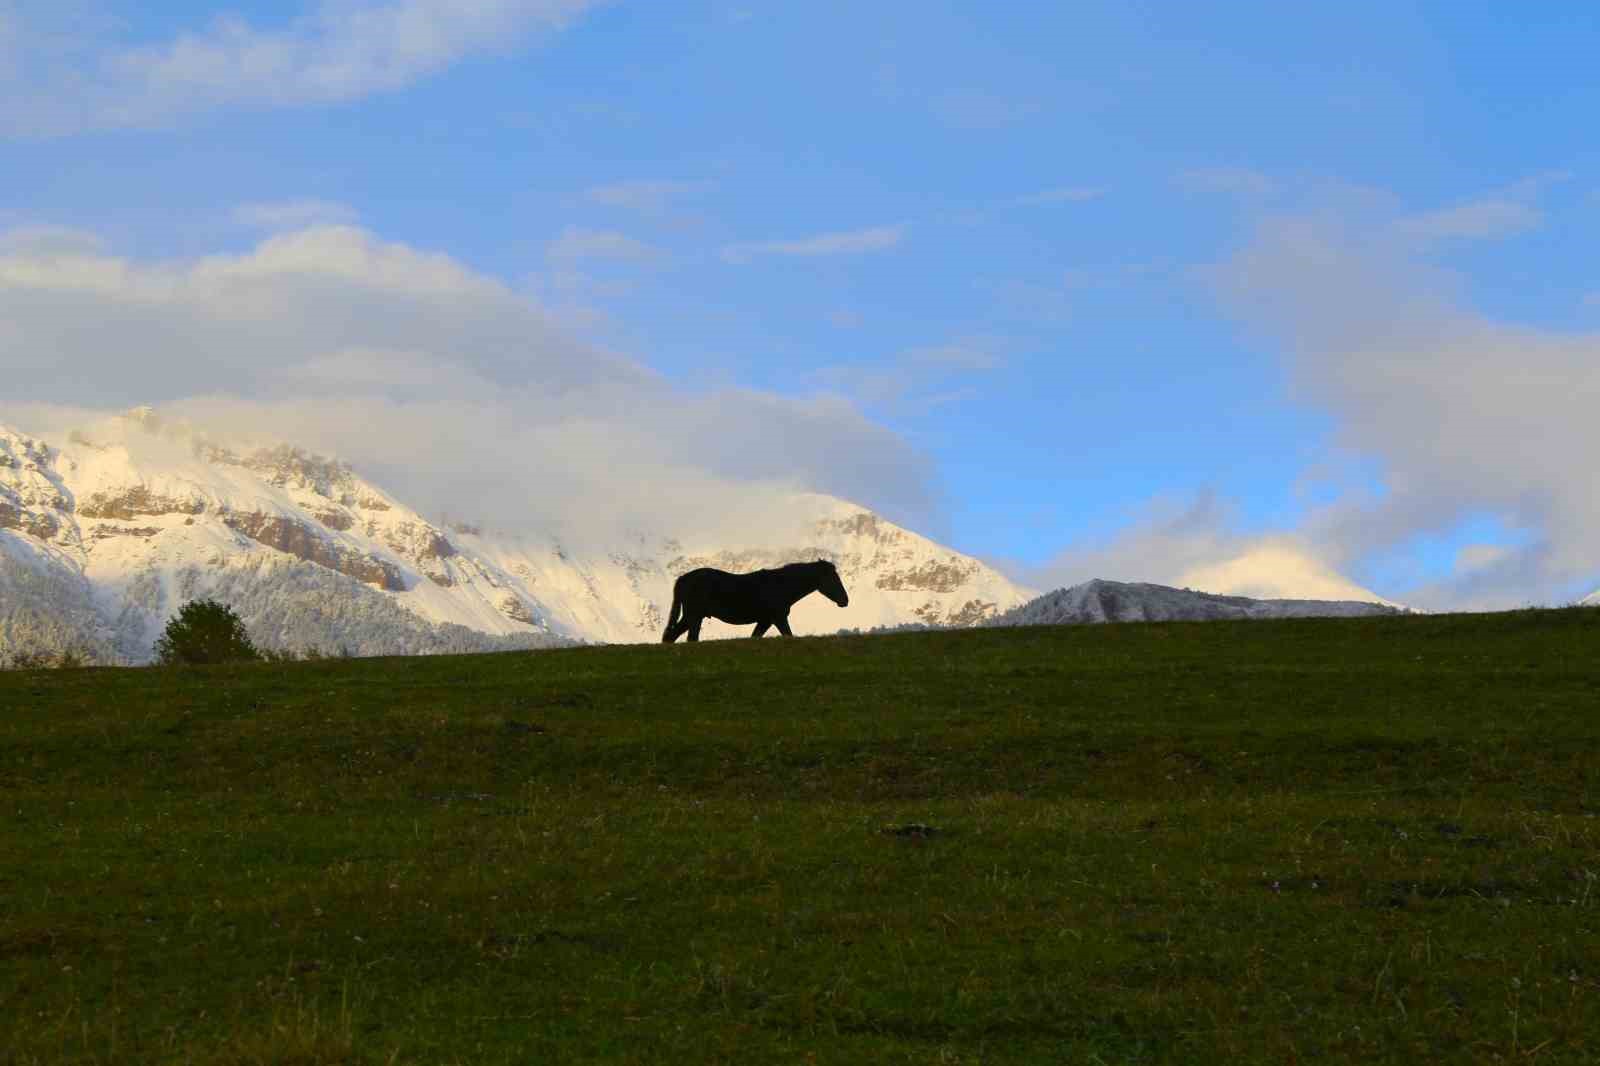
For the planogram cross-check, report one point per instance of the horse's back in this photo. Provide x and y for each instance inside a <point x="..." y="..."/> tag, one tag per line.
<point x="734" y="598"/>
<point x="704" y="577"/>
<point x="700" y="573"/>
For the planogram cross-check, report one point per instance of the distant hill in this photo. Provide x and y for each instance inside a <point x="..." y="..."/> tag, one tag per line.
<point x="1118" y="601"/>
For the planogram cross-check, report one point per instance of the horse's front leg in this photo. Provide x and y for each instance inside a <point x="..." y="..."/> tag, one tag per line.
<point x="782" y="622"/>
<point x="694" y="628"/>
<point x="760" y="629"/>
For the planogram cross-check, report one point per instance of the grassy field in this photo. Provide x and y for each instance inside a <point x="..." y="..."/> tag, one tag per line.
<point x="1362" y="840"/>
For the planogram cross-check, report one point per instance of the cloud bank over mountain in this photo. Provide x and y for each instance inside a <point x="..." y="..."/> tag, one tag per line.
<point x="463" y="392"/>
<point x="1451" y="418"/>
<point x="1199" y="545"/>
<point x="1466" y="415"/>
<point x="428" y="375"/>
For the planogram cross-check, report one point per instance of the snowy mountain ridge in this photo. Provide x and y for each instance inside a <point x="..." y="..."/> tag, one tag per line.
<point x="105" y="535"/>
<point x="1101" y="601"/>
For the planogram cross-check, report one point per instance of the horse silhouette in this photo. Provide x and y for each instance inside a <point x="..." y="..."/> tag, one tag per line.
<point x="763" y="597"/>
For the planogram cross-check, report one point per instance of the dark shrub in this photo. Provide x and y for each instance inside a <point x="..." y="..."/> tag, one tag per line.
<point x="205" y="631"/>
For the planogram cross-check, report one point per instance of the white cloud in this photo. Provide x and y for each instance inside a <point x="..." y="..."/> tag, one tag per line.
<point x="1534" y="185"/>
<point x="294" y="214"/>
<point x="1275" y="569"/>
<point x="576" y="243"/>
<point x="1233" y="181"/>
<point x="1477" y="556"/>
<point x="1067" y="194"/>
<point x="1167" y="540"/>
<point x="1198" y="545"/>
<point x="849" y="242"/>
<point x="442" y="383"/>
<point x="916" y="380"/>
<point x="49" y="241"/>
<point x="365" y="369"/>
<point x="983" y="109"/>
<point x="342" y="50"/>
<point x="1032" y="302"/>
<point x="956" y="357"/>
<point x="1480" y="219"/>
<point x="1467" y="415"/>
<point x="645" y="197"/>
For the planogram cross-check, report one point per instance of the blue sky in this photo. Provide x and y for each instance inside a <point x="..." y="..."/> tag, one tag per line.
<point x="1119" y="289"/>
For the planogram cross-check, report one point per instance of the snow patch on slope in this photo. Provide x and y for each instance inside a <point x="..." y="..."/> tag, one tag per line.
<point x="47" y="608"/>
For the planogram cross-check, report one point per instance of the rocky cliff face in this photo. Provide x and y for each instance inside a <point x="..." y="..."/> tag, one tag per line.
<point x="304" y="541"/>
<point x="137" y="501"/>
<point x="33" y="499"/>
<point x="143" y="514"/>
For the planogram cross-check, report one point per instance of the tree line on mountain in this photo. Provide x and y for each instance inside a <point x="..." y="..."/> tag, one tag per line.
<point x="51" y="615"/>
<point x="204" y="632"/>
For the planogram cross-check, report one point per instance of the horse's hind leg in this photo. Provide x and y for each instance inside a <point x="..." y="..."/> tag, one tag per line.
<point x="783" y="625"/>
<point x="760" y="629"/>
<point x="675" y="623"/>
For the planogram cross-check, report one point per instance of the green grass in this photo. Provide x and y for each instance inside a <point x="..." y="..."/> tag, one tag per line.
<point x="1365" y="840"/>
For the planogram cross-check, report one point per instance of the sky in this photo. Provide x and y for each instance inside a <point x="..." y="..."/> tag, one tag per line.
<point x="1266" y="298"/>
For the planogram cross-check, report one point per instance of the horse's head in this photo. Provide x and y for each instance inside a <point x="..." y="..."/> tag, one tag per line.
<point x="829" y="585"/>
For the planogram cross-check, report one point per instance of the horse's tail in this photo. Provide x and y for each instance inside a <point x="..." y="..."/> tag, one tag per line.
<point x="674" y="616"/>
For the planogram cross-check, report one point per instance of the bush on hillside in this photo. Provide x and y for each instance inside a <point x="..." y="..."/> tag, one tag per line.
<point x="203" y="632"/>
<point x="69" y="659"/>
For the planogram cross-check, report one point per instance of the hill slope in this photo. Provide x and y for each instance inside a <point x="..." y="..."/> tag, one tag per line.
<point x="1365" y="839"/>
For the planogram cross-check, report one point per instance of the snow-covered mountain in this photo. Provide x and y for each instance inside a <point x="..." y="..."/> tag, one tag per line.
<point x="1117" y="601"/>
<point x="105" y="534"/>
